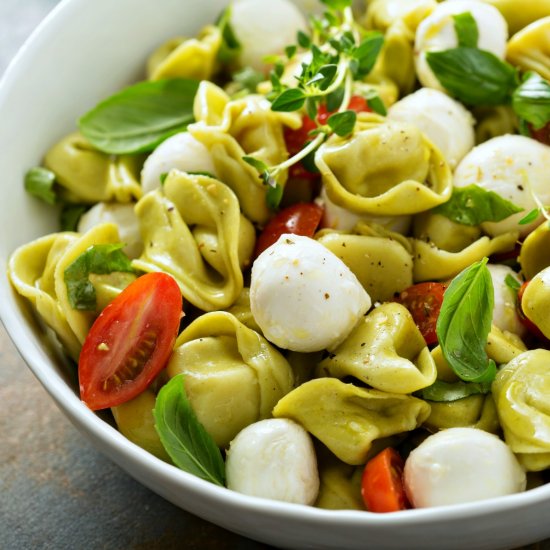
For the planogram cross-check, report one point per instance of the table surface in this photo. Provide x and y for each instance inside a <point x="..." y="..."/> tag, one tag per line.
<point x="57" y="490"/>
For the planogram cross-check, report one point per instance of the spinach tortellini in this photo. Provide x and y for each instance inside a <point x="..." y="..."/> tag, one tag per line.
<point x="536" y="301"/>
<point x="193" y="229"/>
<point x="529" y="49"/>
<point x="233" y="375"/>
<point x="384" y="169"/>
<point x="522" y="393"/>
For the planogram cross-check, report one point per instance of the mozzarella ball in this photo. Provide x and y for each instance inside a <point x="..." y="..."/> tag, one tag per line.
<point x="181" y="151"/>
<point x="461" y="465"/>
<point x="437" y="32"/>
<point x="513" y="166"/>
<point x="341" y="219"/>
<point x="123" y="216"/>
<point x="264" y="28"/>
<point x="273" y="459"/>
<point x="446" y="122"/>
<point x="505" y="315"/>
<point x="303" y="297"/>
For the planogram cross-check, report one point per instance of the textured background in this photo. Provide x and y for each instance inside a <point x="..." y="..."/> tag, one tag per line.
<point x="56" y="490"/>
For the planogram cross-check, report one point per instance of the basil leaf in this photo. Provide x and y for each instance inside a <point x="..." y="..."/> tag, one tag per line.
<point x="99" y="259"/>
<point x="273" y="196"/>
<point x="530" y="217"/>
<point x="138" y="118"/>
<point x="531" y="100"/>
<point x="39" y="182"/>
<point x="472" y="205"/>
<point x="70" y="216"/>
<point x="186" y="441"/>
<point x="290" y="100"/>
<point x="366" y="54"/>
<point x="375" y="102"/>
<point x="230" y="46"/>
<point x="466" y="30"/>
<point x="342" y="124"/>
<point x="475" y="77"/>
<point x="445" y="391"/>
<point x="465" y="321"/>
<point x="512" y="283"/>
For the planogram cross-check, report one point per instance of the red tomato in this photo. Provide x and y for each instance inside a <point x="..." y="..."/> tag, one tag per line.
<point x="382" y="483"/>
<point x="527" y="323"/>
<point x="299" y="219"/>
<point x="356" y="103"/>
<point x="424" y="301"/>
<point x="542" y="135"/>
<point x="130" y="341"/>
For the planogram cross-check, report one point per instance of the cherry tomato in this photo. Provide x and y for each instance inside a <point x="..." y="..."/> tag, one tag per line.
<point x="130" y="341"/>
<point x="527" y="323"/>
<point x="424" y="300"/>
<point x="356" y="103"/>
<point x="299" y="219"/>
<point x="382" y="483"/>
<point x="542" y="135"/>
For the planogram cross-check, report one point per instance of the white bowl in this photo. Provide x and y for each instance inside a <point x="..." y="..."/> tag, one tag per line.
<point x="84" y="51"/>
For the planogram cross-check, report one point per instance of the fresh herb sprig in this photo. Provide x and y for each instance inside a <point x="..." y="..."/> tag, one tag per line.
<point x="340" y="53"/>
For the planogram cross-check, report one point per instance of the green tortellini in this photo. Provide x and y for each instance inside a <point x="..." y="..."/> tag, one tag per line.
<point x="434" y="264"/>
<point x="384" y="169"/>
<point x="535" y="302"/>
<point x="386" y="351"/>
<point x="191" y="58"/>
<point x="534" y="255"/>
<point x="520" y="13"/>
<point x="37" y="271"/>
<point x="192" y="229"/>
<point x="381" y="265"/>
<point x="529" y="49"/>
<point x="475" y="411"/>
<point x="233" y="376"/>
<point x="232" y="129"/>
<point x="88" y="176"/>
<point x="522" y="393"/>
<point x="241" y="310"/>
<point x="347" y="418"/>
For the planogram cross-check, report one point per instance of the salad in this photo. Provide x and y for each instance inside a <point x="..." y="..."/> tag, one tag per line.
<point x="309" y="262"/>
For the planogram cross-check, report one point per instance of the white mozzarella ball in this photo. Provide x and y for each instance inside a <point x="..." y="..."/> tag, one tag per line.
<point x="264" y="28"/>
<point x="123" y="216"/>
<point x="513" y="166"/>
<point x="303" y="297"/>
<point x="341" y="219"/>
<point x="274" y="459"/>
<point x="460" y="465"/>
<point x="181" y="151"/>
<point x="446" y="122"/>
<point x="437" y="33"/>
<point x="505" y="315"/>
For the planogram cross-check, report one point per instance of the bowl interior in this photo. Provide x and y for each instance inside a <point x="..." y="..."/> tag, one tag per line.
<point x="83" y="52"/>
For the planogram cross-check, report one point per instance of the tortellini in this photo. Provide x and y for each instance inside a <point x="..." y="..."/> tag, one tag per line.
<point x="386" y="351"/>
<point x="384" y="168"/>
<point x="233" y="376"/>
<point x="191" y="58"/>
<point x="520" y="13"/>
<point x="534" y="255"/>
<point x="522" y="392"/>
<point x="88" y="176"/>
<point x="535" y="302"/>
<point x="192" y="229"/>
<point x="347" y="418"/>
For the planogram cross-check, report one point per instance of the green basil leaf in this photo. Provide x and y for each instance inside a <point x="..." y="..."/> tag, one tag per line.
<point x="70" y="216"/>
<point x="475" y="77"/>
<point x="337" y="4"/>
<point x="188" y="444"/>
<point x="230" y="46"/>
<point x="39" y="182"/>
<point x="453" y="391"/>
<point x="530" y="217"/>
<point x="512" y="283"/>
<point x="465" y="321"/>
<point x="466" y="30"/>
<point x="375" y="102"/>
<point x="99" y="259"/>
<point x="290" y="100"/>
<point x="273" y="196"/>
<point x="367" y="53"/>
<point x="531" y="100"/>
<point x="138" y="118"/>
<point x="342" y="124"/>
<point x="473" y="205"/>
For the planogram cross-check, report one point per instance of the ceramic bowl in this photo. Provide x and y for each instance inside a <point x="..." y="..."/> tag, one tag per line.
<point x="84" y="51"/>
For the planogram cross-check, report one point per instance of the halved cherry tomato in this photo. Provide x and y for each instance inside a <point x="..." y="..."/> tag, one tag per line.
<point x="527" y="323"/>
<point x="542" y="135"/>
<point x="130" y="342"/>
<point x="299" y="219"/>
<point x="424" y="300"/>
<point x="382" y="483"/>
